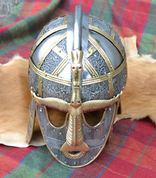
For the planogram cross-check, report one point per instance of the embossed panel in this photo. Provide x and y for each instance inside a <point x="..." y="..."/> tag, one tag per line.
<point x="95" y="91"/>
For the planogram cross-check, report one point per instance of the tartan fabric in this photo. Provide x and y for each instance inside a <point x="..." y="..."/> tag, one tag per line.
<point x="131" y="151"/>
<point x="128" y="17"/>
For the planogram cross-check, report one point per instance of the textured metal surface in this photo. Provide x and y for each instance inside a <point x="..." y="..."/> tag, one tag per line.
<point x="56" y="90"/>
<point x="103" y="79"/>
<point x="94" y="91"/>
<point x="31" y="120"/>
<point x="119" y="82"/>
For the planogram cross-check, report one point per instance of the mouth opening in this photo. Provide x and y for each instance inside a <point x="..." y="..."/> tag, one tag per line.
<point x="74" y="152"/>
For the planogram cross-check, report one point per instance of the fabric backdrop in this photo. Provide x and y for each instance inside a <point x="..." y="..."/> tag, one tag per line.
<point x="131" y="151"/>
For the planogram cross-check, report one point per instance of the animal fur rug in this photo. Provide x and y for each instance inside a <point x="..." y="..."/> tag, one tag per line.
<point x="138" y="99"/>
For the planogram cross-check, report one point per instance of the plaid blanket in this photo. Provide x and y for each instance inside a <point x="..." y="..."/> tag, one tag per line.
<point x="131" y="151"/>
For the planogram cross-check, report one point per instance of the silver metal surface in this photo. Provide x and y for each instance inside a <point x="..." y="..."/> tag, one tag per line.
<point x="77" y="38"/>
<point x="78" y="27"/>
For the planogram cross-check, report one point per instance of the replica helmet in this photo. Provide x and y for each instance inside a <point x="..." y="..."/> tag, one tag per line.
<point x="77" y="72"/>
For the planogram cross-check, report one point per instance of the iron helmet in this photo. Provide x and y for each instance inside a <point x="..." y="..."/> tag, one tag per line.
<point x="77" y="72"/>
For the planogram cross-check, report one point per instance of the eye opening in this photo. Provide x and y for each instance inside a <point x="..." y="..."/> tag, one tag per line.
<point x="94" y="118"/>
<point x="56" y="117"/>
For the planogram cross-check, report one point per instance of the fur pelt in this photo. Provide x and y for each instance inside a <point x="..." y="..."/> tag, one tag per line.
<point x="138" y="99"/>
<point x="14" y="102"/>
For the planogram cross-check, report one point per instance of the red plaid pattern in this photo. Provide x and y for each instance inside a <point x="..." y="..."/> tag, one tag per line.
<point x="131" y="151"/>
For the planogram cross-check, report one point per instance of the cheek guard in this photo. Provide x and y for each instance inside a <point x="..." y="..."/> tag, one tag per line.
<point x="77" y="73"/>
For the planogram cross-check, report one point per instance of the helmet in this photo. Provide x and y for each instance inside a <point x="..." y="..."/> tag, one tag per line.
<point x="77" y="72"/>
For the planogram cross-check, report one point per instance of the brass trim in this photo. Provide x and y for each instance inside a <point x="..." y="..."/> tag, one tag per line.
<point x="59" y="52"/>
<point x="63" y="63"/>
<point x="40" y="82"/>
<point x="112" y="33"/>
<point x="99" y="104"/>
<point x="102" y="52"/>
<point x="42" y="32"/>
<point x="62" y="27"/>
<point x="51" y="46"/>
<point x="103" y="116"/>
<point x="103" y="78"/>
<point x="90" y="20"/>
<point x="65" y="19"/>
<point x="74" y="136"/>
<point x="108" y="37"/>
<point x="61" y="66"/>
<point x="48" y="76"/>
<point x="51" y="102"/>
<point x="108" y="62"/>
<point x="32" y="120"/>
<point x="90" y="51"/>
<point x="76" y="156"/>
<point x="64" y="106"/>
<point x="90" y="69"/>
